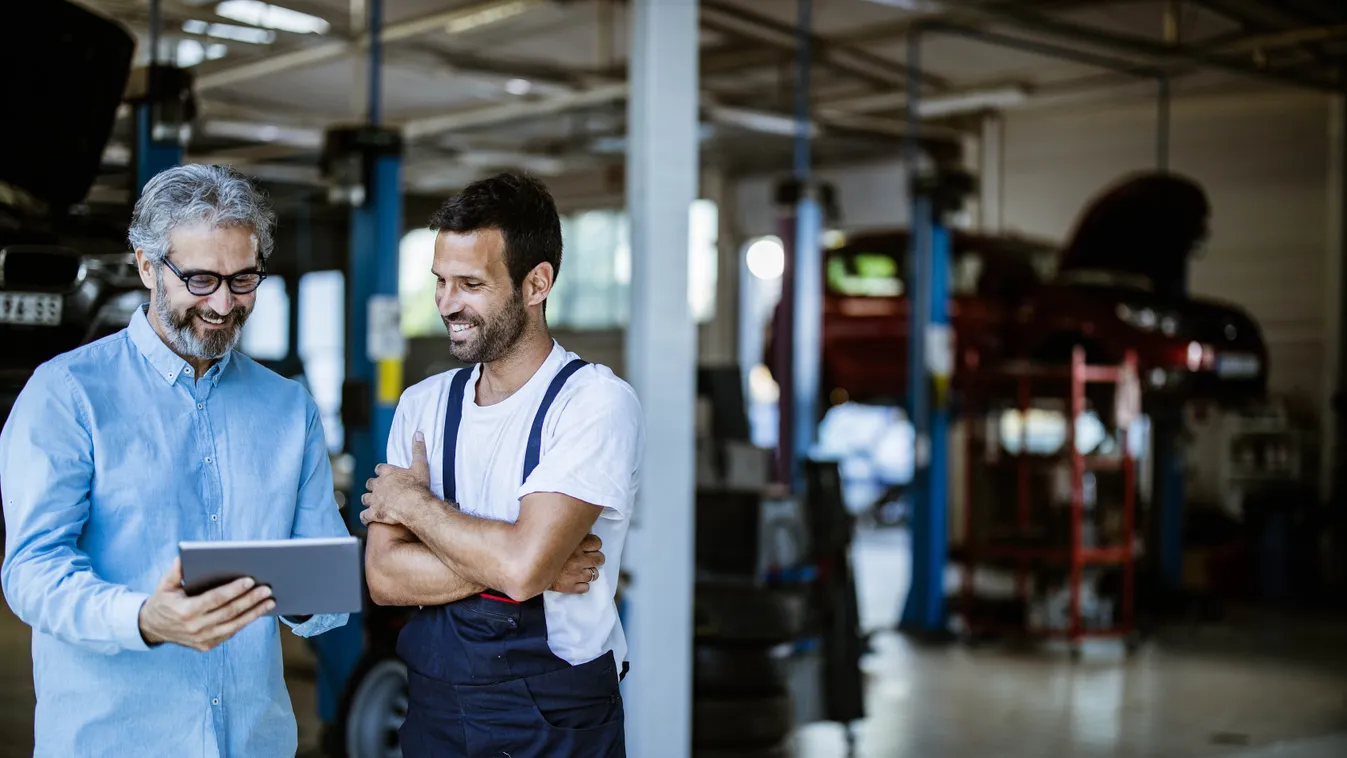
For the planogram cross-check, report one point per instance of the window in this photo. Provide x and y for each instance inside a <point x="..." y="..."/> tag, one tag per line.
<point x="266" y="336"/>
<point x="416" y="285"/>
<point x="322" y="336"/>
<point x="864" y="274"/>
<point x="593" y="291"/>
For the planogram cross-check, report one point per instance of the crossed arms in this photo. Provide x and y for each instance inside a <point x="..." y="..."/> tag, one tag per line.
<point x="423" y="551"/>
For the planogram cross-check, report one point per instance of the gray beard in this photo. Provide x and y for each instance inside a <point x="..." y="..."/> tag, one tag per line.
<point x="184" y="340"/>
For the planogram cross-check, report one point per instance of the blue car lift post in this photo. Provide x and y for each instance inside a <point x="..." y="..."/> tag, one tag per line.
<point x="930" y="368"/>
<point x="162" y="107"/>
<point x="798" y="334"/>
<point x="363" y="168"/>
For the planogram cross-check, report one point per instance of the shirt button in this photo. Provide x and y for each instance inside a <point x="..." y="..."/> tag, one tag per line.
<point x="215" y="701"/>
<point x="207" y="459"/>
<point x="214" y="517"/>
<point x="200" y="406"/>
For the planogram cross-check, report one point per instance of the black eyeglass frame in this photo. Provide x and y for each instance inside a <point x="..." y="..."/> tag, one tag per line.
<point x="187" y="276"/>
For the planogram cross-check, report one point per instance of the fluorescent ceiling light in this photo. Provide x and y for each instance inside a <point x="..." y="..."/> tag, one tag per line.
<point x="760" y="121"/>
<point x="518" y="86"/>
<point x="912" y="5"/>
<point x="270" y="16"/>
<point x="488" y="13"/>
<point x="249" y="34"/>
<point x="970" y="102"/>
<point x="255" y="132"/>
<point x="190" y="52"/>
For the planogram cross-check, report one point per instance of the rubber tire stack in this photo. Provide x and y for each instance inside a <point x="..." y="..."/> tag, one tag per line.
<point x="741" y="705"/>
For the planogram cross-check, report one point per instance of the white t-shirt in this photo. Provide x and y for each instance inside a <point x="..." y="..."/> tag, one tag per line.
<point x="592" y="443"/>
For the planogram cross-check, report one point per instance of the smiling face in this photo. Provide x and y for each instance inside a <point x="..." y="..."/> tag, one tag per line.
<point x="204" y="327"/>
<point x="484" y="313"/>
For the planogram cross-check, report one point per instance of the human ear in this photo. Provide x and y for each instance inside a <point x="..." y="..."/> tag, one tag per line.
<point x="539" y="283"/>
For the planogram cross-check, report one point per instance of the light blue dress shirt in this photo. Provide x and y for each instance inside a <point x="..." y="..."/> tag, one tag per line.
<point x="112" y="454"/>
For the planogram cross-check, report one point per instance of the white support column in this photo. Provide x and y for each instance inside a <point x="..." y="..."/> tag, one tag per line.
<point x="662" y="166"/>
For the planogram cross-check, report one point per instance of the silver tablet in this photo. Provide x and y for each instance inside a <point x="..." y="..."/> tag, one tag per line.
<point x="306" y="575"/>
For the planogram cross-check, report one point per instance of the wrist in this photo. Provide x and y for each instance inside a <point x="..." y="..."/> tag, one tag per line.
<point x="421" y="507"/>
<point x="147" y="632"/>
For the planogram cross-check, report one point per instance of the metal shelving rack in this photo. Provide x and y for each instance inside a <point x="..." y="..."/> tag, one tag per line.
<point x="1021" y="383"/>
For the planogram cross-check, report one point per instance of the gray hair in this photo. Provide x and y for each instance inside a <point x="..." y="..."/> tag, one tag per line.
<point x="196" y="193"/>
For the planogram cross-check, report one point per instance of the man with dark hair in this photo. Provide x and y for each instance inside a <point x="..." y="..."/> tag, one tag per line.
<point x="530" y="451"/>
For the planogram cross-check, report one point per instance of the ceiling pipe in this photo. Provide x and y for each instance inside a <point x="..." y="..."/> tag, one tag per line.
<point x="452" y="21"/>
<point x="1155" y="51"/>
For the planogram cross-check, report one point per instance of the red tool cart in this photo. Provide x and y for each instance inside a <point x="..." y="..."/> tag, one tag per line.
<point x="1061" y="518"/>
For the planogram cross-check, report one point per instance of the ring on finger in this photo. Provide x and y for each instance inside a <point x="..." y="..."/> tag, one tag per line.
<point x="593" y="573"/>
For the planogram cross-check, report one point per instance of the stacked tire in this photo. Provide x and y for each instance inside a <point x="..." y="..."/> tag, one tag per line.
<point x="741" y="704"/>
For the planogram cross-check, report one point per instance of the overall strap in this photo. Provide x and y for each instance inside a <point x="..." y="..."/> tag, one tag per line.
<point x="535" y="448"/>
<point x="453" y="415"/>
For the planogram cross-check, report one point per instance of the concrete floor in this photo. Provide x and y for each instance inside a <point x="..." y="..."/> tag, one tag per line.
<point x="1254" y="688"/>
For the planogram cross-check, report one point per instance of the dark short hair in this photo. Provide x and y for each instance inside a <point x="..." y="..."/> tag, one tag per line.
<point x="520" y="208"/>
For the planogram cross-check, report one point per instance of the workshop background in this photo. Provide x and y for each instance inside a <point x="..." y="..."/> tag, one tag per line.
<point x="1095" y="507"/>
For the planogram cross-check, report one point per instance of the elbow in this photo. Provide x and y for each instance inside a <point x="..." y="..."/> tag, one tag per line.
<point x="526" y="579"/>
<point x="377" y="581"/>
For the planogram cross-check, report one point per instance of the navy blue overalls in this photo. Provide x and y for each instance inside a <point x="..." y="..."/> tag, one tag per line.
<point x="482" y="679"/>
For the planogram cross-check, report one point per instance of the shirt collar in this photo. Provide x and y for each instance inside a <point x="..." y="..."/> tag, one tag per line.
<point x="166" y="363"/>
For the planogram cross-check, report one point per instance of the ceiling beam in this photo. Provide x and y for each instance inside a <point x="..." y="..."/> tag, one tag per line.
<point x="1154" y="51"/>
<point x="729" y="19"/>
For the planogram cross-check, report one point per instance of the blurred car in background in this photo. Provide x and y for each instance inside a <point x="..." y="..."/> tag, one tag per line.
<point x="66" y="277"/>
<point x="1008" y="301"/>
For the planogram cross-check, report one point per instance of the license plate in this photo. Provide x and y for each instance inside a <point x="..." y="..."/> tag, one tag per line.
<point x="1237" y="366"/>
<point x="30" y="309"/>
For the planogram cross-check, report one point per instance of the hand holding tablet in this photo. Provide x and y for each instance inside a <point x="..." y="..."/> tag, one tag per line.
<point x="307" y="576"/>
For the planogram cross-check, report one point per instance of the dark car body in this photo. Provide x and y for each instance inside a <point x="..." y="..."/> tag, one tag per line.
<point x="66" y="276"/>
<point x="1007" y="302"/>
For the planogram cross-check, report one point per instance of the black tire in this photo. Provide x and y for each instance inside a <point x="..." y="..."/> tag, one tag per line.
<point x="741" y="722"/>
<point x="748" y="614"/>
<point x="784" y="750"/>
<point x="373" y="711"/>
<point x="736" y="672"/>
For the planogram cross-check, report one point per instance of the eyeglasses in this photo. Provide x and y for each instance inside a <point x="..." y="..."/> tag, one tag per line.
<point x="202" y="283"/>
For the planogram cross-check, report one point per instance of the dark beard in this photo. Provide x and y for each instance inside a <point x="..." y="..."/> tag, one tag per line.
<point x="495" y="338"/>
<point x="184" y="339"/>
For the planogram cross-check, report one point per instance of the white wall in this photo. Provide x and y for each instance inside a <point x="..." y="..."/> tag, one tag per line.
<point x="1262" y="160"/>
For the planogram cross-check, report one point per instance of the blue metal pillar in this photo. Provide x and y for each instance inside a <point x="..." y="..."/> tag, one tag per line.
<point x="162" y="105"/>
<point x="929" y="369"/>
<point x="1168" y="453"/>
<point x="364" y="168"/>
<point x="807" y="281"/>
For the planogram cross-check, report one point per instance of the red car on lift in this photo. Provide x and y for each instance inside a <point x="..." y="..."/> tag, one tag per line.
<point x="1009" y="300"/>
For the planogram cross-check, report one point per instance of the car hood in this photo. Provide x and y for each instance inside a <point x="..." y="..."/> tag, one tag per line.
<point x="66" y="70"/>
<point x="1201" y="315"/>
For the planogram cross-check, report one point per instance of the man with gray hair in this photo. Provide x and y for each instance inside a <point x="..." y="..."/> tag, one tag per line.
<point x="118" y="450"/>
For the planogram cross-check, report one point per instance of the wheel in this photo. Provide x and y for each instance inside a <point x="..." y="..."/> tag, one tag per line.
<point x="741" y="722"/>
<point x="739" y="612"/>
<point x="779" y="751"/>
<point x="378" y="706"/>
<point x="736" y="671"/>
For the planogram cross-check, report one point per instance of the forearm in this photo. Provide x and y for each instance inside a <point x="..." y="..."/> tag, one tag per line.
<point x="402" y="571"/>
<point x="59" y="595"/>
<point x="482" y="551"/>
